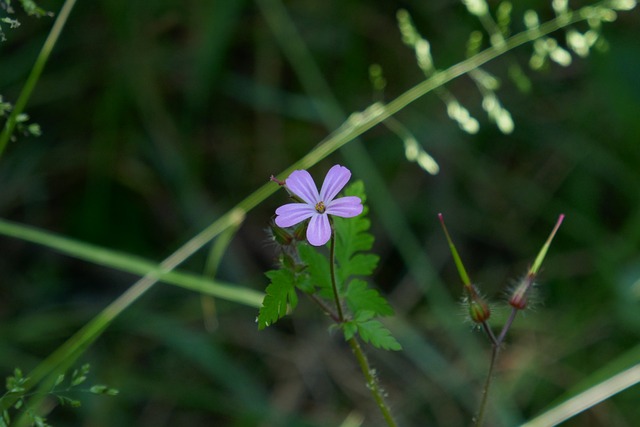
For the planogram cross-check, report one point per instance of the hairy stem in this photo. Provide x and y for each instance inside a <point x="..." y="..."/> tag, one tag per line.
<point x="327" y="310"/>
<point x="332" y="266"/>
<point x="487" y="384"/>
<point x="369" y="375"/>
<point x="372" y="382"/>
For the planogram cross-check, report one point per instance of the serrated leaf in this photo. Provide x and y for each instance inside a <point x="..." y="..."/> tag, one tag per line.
<point x="349" y="329"/>
<point x="361" y="298"/>
<point x="352" y="238"/>
<point x="319" y="273"/>
<point x="279" y="295"/>
<point x="359" y="265"/>
<point x="375" y="333"/>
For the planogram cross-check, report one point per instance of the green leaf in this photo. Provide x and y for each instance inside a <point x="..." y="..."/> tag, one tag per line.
<point x="349" y="328"/>
<point x="372" y="331"/>
<point x="360" y="265"/>
<point x="319" y="273"/>
<point x="361" y="298"/>
<point x="353" y="237"/>
<point x="279" y="295"/>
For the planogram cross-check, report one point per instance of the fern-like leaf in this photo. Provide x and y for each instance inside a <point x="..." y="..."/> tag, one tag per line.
<point x="281" y="293"/>
<point x="361" y="298"/>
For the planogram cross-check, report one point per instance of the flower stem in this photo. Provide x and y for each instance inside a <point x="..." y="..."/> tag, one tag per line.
<point x="332" y="266"/>
<point x="369" y="374"/>
<point x="372" y="382"/>
<point x="485" y="391"/>
<point x="507" y="326"/>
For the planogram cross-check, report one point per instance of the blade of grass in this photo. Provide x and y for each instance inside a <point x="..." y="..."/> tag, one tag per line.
<point x="588" y="398"/>
<point x="36" y="71"/>
<point x="132" y="264"/>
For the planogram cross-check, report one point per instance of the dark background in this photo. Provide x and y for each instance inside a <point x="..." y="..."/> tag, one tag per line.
<point x="158" y="117"/>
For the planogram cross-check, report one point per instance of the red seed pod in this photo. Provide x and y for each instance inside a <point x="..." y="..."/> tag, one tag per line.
<point x="519" y="298"/>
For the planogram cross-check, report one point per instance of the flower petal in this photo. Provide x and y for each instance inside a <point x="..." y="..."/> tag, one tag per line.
<point x="336" y="179"/>
<point x="345" y="207"/>
<point x="302" y="185"/>
<point x="293" y="213"/>
<point x="319" y="230"/>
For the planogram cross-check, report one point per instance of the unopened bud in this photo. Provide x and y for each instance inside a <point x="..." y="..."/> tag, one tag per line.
<point x="479" y="310"/>
<point x="300" y="232"/>
<point x="280" y="235"/>
<point x="519" y="298"/>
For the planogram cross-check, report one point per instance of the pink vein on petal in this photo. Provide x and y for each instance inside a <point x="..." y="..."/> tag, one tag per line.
<point x="293" y="213"/>
<point x="319" y="230"/>
<point x="346" y="207"/>
<point x="336" y="179"/>
<point x="303" y="186"/>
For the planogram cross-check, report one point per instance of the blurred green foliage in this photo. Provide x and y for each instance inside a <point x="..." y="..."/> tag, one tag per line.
<point x="157" y="117"/>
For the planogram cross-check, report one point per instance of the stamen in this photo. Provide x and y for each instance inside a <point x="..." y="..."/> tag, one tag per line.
<point x="320" y="207"/>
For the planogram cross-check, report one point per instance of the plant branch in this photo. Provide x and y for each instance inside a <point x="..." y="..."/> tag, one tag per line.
<point x="332" y="266"/>
<point x="372" y="382"/>
<point x="487" y="384"/>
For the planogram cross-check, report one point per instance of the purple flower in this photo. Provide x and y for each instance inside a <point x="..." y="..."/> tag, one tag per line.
<point x="316" y="206"/>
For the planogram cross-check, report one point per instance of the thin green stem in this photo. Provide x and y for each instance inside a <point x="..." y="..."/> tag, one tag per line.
<point x="507" y="326"/>
<point x="324" y="307"/>
<point x="133" y="264"/>
<point x="332" y="266"/>
<point x="489" y="332"/>
<point x="487" y="384"/>
<point x="36" y="71"/>
<point x="372" y="382"/>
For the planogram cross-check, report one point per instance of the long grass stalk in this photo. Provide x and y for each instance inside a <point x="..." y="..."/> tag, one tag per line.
<point x="36" y="71"/>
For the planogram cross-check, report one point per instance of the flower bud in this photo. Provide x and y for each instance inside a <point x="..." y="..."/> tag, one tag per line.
<point x="280" y="235"/>
<point x="479" y="310"/>
<point x="300" y="232"/>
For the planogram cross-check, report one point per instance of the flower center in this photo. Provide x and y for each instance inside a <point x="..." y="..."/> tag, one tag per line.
<point x="320" y="207"/>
